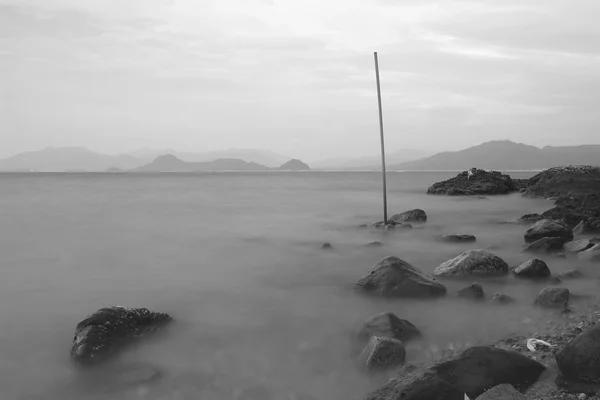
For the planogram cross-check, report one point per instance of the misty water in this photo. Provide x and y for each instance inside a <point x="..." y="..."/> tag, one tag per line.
<point x="236" y="260"/>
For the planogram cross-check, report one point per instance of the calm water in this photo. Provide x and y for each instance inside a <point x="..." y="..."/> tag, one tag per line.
<point x="236" y="259"/>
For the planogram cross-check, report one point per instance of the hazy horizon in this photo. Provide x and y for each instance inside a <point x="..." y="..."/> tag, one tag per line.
<point x="296" y="77"/>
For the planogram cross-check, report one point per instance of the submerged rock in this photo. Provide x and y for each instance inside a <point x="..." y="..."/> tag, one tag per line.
<point x="327" y="246"/>
<point x="473" y="291"/>
<point x="534" y="268"/>
<point x="546" y="245"/>
<point x="473" y="263"/>
<point x="416" y="215"/>
<point x="553" y="298"/>
<point x="457" y="238"/>
<point x="393" y="277"/>
<point x="576" y="246"/>
<point x="592" y="254"/>
<point x="548" y="228"/>
<point x="391" y="225"/>
<point x="475" y="182"/>
<point x="101" y="334"/>
<point x="570" y="274"/>
<point x="381" y="353"/>
<point x="374" y="244"/>
<point x="502" y="392"/>
<point x="388" y="325"/>
<point x="579" y="360"/>
<point x="501" y="298"/>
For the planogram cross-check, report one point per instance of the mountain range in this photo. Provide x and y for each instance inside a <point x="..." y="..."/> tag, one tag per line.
<point x="498" y="155"/>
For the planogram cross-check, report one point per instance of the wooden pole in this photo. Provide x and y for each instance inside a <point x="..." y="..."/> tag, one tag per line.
<point x="385" y="218"/>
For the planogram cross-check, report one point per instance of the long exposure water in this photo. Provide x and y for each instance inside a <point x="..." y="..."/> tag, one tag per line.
<point x="236" y="260"/>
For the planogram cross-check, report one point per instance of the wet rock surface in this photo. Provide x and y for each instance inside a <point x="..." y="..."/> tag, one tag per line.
<point x="533" y="269"/>
<point x="576" y="246"/>
<point x="502" y="392"/>
<point x="388" y="324"/>
<point x="553" y="298"/>
<point x="592" y="254"/>
<point x="382" y="353"/>
<point x="472" y="292"/>
<point x="394" y="277"/>
<point x="579" y="360"/>
<point x="416" y="215"/>
<point x="457" y="238"/>
<point x="104" y="332"/>
<point x="548" y="228"/>
<point x="546" y="245"/>
<point x="473" y="263"/>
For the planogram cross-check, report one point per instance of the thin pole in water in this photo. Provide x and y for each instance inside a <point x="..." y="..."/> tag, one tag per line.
<point x="385" y="219"/>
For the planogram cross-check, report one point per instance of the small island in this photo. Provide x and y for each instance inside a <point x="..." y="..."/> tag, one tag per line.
<point x="294" y="165"/>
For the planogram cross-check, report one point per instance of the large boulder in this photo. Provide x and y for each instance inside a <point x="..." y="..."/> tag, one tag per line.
<point x="579" y="360"/>
<point x="387" y="324"/>
<point x="546" y="245"/>
<point x="416" y="215"/>
<point x="592" y="254"/>
<point x="418" y="385"/>
<point x="457" y="238"/>
<point x="553" y="298"/>
<point x="481" y="367"/>
<point x="473" y="263"/>
<point x="102" y="333"/>
<point x="382" y="353"/>
<point x="548" y="228"/>
<point x="534" y="268"/>
<point x="502" y="392"/>
<point x="393" y="277"/>
<point x="475" y="182"/>
<point x="560" y="181"/>
<point x="576" y="246"/>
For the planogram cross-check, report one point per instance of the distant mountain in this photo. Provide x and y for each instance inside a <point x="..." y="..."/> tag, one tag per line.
<point x="294" y="165"/>
<point x="170" y="163"/>
<point x="506" y="155"/>
<point x="264" y="157"/>
<point x="53" y="159"/>
<point x="372" y="162"/>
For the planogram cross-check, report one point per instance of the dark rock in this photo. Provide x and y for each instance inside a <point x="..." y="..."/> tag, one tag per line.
<point x="473" y="291"/>
<point x="482" y="367"/>
<point x="475" y="182"/>
<point x="382" y="353"/>
<point x="101" y="334"/>
<point x="418" y="385"/>
<point x="374" y="244"/>
<point x="553" y="298"/>
<point x="579" y="360"/>
<point x="502" y="392"/>
<point x="548" y="228"/>
<point x="417" y="215"/>
<point x="560" y="181"/>
<point x="363" y="226"/>
<point x="391" y="225"/>
<point x="529" y="218"/>
<point x="393" y="277"/>
<point x="388" y="325"/>
<point x="327" y="246"/>
<point x="570" y="274"/>
<point x="592" y="254"/>
<point x="534" y="268"/>
<point x="457" y="238"/>
<point x="576" y="246"/>
<point x="501" y="298"/>
<point x="546" y="245"/>
<point x="473" y="263"/>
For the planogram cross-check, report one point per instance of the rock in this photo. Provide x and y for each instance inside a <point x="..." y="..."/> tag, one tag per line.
<point x="560" y="181"/>
<point x="388" y="325"/>
<point x="592" y="254"/>
<point x="502" y="392"/>
<point x="579" y="228"/>
<point x="482" y="367"/>
<point x="546" y="245"/>
<point x="553" y="298"/>
<point x="374" y="244"/>
<point x="457" y="238"/>
<point x="419" y="385"/>
<point x="473" y="291"/>
<point x="417" y="215"/>
<point x="570" y="274"/>
<point x="534" y="268"/>
<point x="529" y="218"/>
<point x="391" y="225"/>
<point x="576" y="246"/>
<point x="327" y="246"/>
<point x="579" y="360"/>
<point x="472" y="263"/>
<point x="382" y="353"/>
<point x="363" y="226"/>
<point x="393" y="277"/>
<point x="501" y="298"/>
<point x="101" y="334"/>
<point x="475" y="182"/>
<point x="294" y="165"/>
<point x="548" y="228"/>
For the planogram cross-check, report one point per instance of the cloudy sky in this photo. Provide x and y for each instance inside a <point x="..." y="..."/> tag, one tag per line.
<point x="297" y="76"/>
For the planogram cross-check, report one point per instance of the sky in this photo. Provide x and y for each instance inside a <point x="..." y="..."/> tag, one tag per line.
<point x="297" y="76"/>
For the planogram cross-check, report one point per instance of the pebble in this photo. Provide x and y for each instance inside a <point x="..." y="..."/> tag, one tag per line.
<point x="582" y="396"/>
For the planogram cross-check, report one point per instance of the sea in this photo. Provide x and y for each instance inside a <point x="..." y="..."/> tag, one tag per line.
<point x="260" y="310"/>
